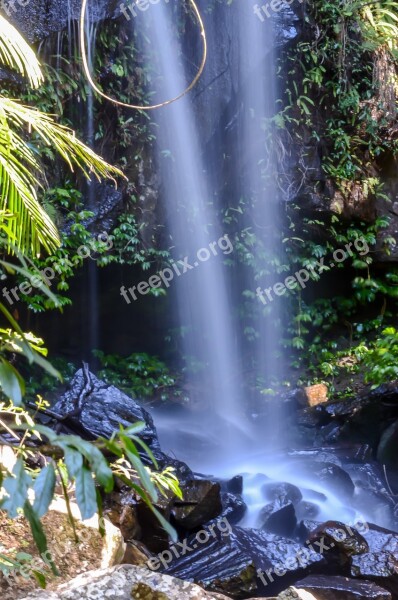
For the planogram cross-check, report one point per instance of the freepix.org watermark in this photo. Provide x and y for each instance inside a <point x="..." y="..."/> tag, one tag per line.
<point x="182" y="548"/>
<point x="300" y="278"/>
<point x="134" y="5"/>
<point x="164" y="277"/>
<point x="303" y="556"/>
<point x="46" y="275"/>
<point x="275" y="6"/>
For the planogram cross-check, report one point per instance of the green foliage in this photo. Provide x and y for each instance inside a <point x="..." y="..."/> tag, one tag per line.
<point x="139" y="375"/>
<point x="381" y="361"/>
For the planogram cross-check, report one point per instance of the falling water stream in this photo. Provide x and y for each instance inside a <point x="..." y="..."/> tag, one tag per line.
<point x="218" y="436"/>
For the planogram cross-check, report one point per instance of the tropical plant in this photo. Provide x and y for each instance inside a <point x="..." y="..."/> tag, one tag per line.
<point x="19" y="168"/>
<point x="26" y="228"/>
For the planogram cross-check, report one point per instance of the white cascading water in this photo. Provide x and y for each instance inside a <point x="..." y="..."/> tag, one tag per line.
<point x="201" y="294"/>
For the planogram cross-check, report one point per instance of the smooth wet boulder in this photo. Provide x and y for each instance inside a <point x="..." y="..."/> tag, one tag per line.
<point x="334" y="588"/>
<point x="98" y="409"/>
<point x="332" y="477"/>
<point x="278" y="517"/>
<point x="380" y="567"/>
<point x="243" y="562"/>
<point x="337" y="542"/>
<point x="282" y="492"/>
<point x="201" y="502"/>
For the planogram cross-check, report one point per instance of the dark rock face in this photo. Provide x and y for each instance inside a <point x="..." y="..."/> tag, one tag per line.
<point x="38" y="19"/>
<point x="244" y="563"/>
<point x="337" y="541"/>
<point x="340" y="588"/>
<point x="304" y="528"/>
<point x="381" y="540"/>
<point x="233" y="485"/>
<point x="98" y="409"/>
<point x="201" y="503"/>
<point x="278" y="517"/>
<point x="381" y="567"/>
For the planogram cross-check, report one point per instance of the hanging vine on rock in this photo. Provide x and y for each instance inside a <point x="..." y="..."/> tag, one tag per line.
<point x="133" y="106"/>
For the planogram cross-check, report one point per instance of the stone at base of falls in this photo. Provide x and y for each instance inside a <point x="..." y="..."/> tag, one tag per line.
<point x="126" y="582"/>
<point x="281" y="491"/>
<point x="278" y="517"/>
<point x="233" y="507"/>
<point x="94" y="408"/>
<point x="203" y="503"/>
<point x="244" y="562"/>
<point x="99" y="408"/>
<point x="332" y="476"/>
<point x="320" y="587"/>
<point x="381" y="567"/>
<point x="338" y="542"/>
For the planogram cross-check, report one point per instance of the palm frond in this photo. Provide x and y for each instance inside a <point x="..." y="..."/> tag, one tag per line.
<point x="61" y="138"/>
<point x="30" y="225"/>
<point x="17" y="54"/>
<point x="19" y="169"/>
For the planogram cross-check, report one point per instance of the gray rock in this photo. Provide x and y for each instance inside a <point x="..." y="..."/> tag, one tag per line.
<point x="125" y="582"/>
<point x="335" y="588"/>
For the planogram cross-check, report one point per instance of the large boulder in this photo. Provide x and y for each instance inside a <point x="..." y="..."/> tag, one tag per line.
<point x="338" y="542"/>
<point x="278" y="517"/>
<point x="93" y="408"/>
<point x="243" y="562"/>
<point x="125" y="582"/>
<point x="319" y="587"/>
<point x="201" y="502"/>
<point x="97" y="409"/>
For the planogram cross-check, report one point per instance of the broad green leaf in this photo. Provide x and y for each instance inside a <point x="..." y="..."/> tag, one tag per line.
<point x="73" y="460"/>
<point x="38" y="533"/>
<point x="85" y="494"/>
<point x="16" y="486"/>
<point x="11" y="382"/>
<point x="44" y="490"/>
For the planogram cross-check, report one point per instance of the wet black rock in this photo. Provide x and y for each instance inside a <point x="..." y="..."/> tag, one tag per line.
<point x="281" y="492"/>
<point x="315" y="496"/>
<point x="233" y="507"/>
<point x="94" y="408"/>
<point x="380" y="539"/>
<point x="337" y="541"/>
<point x="380" y="567"/>
<point x="201" y="503"/>
<point x="333" y="477"/>
<point x="97" y="409"/>
<point x="337" y="588"/>
<point x="278" y="517"/>
<point x="233" y="485"/>
<point x="244" y="563"/>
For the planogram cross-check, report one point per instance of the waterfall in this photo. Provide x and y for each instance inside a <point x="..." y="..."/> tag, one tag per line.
<point x="256" y="180"/>
<point x="209" y="341"/>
